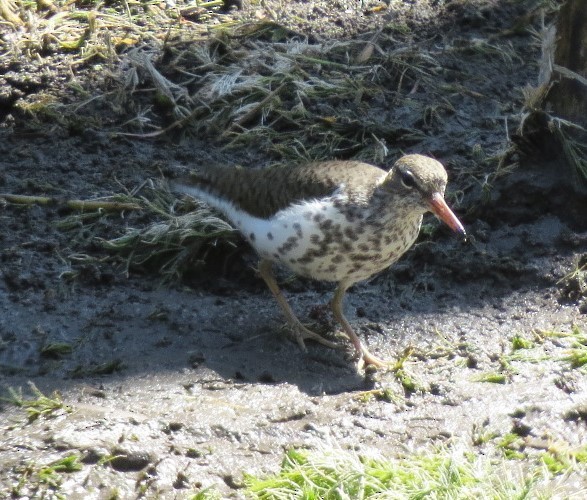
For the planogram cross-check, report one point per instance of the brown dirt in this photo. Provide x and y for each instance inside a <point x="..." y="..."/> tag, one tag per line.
<point x="194" y="383"/>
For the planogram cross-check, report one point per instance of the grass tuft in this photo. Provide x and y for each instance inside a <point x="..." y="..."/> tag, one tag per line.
<point x="182" y="234"/>
<point x="40" y="406"/>
<point x="441" y="473"/>
<point x="574" y="284"/>
<point x="178" y="237"/>
<point x="46" y="480"/>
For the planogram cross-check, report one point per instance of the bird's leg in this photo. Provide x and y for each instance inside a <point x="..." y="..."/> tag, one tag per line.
<point x="365" y="356"/>
<point x="300" y="331"/>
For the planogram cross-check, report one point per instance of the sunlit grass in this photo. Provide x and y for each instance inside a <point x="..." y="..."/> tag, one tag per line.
<point x="567" y="348"/>
<point x="44" y="481"/>
<point x="439" y="473"/>
<point x="39" y="405"/>
<point x="251" y="83"/>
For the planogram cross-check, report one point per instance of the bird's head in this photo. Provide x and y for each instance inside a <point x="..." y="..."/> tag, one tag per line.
<point x="421" y="181"/>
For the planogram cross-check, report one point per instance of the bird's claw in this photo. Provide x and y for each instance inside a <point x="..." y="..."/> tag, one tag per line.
<point x="301" y="334"/>
<point x="368" y="359"/>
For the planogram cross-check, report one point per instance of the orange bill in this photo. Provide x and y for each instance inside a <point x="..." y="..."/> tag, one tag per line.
<point x="445" y="214"/>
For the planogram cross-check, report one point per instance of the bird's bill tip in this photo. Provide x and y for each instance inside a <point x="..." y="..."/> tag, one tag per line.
<point x="445" y="214"/>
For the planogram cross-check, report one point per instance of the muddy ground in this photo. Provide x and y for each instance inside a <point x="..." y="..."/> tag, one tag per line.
<point x="177" y="387"/>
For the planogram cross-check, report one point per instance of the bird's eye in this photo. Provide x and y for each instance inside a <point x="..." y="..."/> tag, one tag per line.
<point x="408" y="179"/>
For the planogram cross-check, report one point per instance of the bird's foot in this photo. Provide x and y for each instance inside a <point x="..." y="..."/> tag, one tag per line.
<point x="368" y="359"/>
<point x="301" y="334"/>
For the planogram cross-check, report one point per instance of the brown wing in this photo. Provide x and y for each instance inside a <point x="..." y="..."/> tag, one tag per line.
<point x="263" y="192"/>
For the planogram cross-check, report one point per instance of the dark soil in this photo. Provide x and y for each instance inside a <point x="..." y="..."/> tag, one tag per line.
<point x="192" y="383"/>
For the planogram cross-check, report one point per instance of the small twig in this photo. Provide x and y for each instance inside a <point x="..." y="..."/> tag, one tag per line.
<point x="566" y="72"/>
<point x="110" y="206"/>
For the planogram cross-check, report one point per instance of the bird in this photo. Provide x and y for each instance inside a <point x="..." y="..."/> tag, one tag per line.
<point x="339" y="221"/>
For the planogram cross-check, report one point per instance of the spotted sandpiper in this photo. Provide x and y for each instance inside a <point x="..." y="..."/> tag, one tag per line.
<point x="339" y="221"/>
